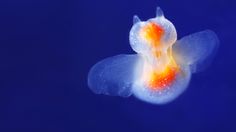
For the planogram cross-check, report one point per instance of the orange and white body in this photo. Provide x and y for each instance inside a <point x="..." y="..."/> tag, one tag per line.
<point x="160" y="79"/>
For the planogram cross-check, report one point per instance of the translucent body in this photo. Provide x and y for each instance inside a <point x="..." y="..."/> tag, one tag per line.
<point x="161" y="69"/>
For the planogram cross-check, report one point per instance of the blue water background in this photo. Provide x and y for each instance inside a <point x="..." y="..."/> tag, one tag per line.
<point x="48" y="46"/>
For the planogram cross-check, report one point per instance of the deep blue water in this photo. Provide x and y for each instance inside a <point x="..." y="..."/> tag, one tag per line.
<point x="48" y="46"/>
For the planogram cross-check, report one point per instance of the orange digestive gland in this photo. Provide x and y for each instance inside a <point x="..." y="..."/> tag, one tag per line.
<point x="153" y="33"/>
<point x="159" y="79"/>
<point x="162" y="79"/>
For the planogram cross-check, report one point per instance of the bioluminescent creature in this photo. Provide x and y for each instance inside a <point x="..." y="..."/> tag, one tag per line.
<point x="161" y="69"/>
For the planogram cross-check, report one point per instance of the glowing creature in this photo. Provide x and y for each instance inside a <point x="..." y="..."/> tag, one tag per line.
<point x="162" y="67"/>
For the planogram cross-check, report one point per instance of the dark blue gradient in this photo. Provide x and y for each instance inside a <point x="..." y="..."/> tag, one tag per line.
<point x="48" y="46"/>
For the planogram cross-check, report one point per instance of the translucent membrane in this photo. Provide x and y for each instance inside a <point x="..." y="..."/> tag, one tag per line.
<point x="114" y="75"/>
<point x="196" y="50"/>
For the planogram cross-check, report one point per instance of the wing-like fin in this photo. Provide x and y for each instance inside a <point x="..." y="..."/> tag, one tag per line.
<point x="196" y="50"/>
<point x="114" y="75"/>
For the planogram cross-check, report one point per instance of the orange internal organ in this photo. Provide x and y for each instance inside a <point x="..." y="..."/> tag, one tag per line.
<point x="152" y="33"/>
<point x="159" y="80"/>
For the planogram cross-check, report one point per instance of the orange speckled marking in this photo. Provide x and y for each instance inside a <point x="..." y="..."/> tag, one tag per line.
<point x="159" y="81"/>
<point x="152" y="33"/>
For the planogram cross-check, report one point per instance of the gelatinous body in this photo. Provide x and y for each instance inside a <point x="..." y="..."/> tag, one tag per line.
<point x="162" y="67"/>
